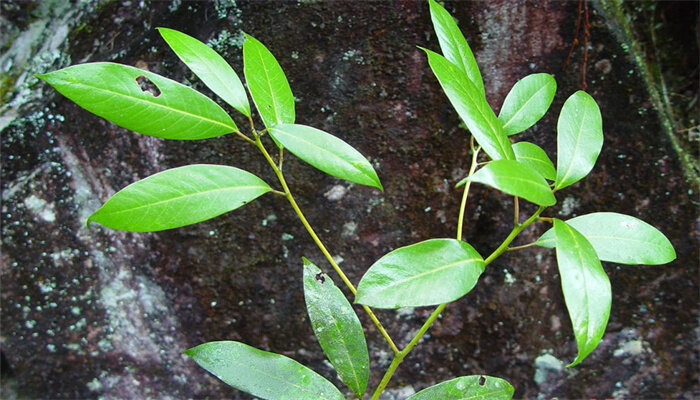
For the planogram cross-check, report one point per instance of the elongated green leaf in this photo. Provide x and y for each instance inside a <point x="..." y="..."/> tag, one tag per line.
<point x="112" y="91"/>
<point x="431" y="272"/>
<point x="210" y="67"/>
<point x="534" y="157"/>
<point x="514" y="178"/>
<point x="178" y="197"/>
<point x="527" y="102"/>
<point x="472" y="107"/>
<point x="453" y="44"/>
<point x="579" y="139"/>
<point x="472" y="387"/>
<point x="337" y="328"/>
<point x="619" y="238"/>
<point x="267" y="84"/>
<point x="586" y="288"/>
<point x="263" y="374"/>
<point x="327" y="153"/>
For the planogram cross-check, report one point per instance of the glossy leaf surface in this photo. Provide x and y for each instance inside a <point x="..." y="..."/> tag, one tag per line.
<point x="515" y="178"/>
<point x="527" y="102"/>
<point x="210" y="67"/>
<point x="431" y="272"/>
<point x="267" y="84"/>
<point x="534" y="157"/>
<point x="579" y="138"/>
<point x="472" y="387"/>
<point x="112" y="91"/>
<point x="263" y="374"/>
<point x="337" y="328"/>
<point x="178" y="197"/>
<point x="453" y="44"/>
<point x="327" y="153"/>
<point x="472" y="107"/>
<point x="619" y="238"/>
<point x="586" y="288"/>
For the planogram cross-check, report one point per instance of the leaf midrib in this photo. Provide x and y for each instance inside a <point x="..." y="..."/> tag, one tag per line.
<point x="180" y="198"/>
<point x="499" y="139"/>
<point x="274" y="377"/>
<point x="214" y="70"/>
<point x="271" y="92"/>
<point x="428" y="272"/>
<point x="524" y="106"/>
<point x="151" y="103"/>
<point x="340" y="335"/>
<point x="323" y="150"/>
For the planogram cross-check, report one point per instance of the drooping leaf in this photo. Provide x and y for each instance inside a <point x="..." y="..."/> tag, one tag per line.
<point x="453" y="44"/>
<point x="472" y="107"/>
<point x="514" y="178"/>
<point x="210" y="67"/>
<point x="113" y="92"/>
<point x="267" y="84"/>
<point x="472" y="387"/>
<point x="619" y="238"/>
<point x="326" y="152"/>
<point x="586" y="288"/>
<point x="534" y="157"/>
<point x="579" y="139"/>
<point x="178" y="197"/>
<point x="431" y="272"/>
<point x="263" y="374"/>
<point x="527" y="102"/>
<point x="337" y="328"/>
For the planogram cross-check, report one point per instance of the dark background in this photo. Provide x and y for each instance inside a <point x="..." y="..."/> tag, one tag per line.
<point x="95" y="312"/>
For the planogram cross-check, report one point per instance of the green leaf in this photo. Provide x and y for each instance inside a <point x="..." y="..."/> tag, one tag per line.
<point x="472" y="107"/>
<point x="472" y="387"/>
<point x="579" y="139"/>
<point x="586" y="288"/>
<point x="112" y="91"/>
<point x="178" y="197"/>
<point x="337" y="328"/>
<point x="327" y="153"/>
<point x="453" y="44"/>
<point x="619" y="238"/>
<point x="267" y="84"/>
<point x="534" y="157"/>
<point x="431" y="272"/>
<point x="527" y="102"/>
<point x="210" y="67"/>
<point x="263" y="374"/>
<point x="514" y="178"/>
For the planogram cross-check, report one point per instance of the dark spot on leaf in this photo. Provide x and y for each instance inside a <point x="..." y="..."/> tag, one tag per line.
<point x="320" y="277"/>
<point x="147" y="85"/>
<point x="482" y="381"/>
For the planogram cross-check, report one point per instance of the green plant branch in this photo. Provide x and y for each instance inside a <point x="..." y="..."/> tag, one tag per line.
<point x="319" y="243"/>
<point x="463" y="204"/>
<point x="524" y="246"/>
<point x="244" y="137"/>
<point x="398" y="358"/>
<point x="516" y="211"/>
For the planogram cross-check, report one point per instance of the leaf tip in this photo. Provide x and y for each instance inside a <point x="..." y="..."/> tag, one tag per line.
<point x="190" y="352"/>
<point x="576" y="362"/>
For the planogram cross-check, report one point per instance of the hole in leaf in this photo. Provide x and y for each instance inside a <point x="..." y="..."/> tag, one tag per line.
<point x="320" y="277"/>
<point x="482" y="381"/>
<point x="147" y="85"/>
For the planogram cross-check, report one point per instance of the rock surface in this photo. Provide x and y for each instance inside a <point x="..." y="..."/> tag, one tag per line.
<point x="96" y="313"/>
